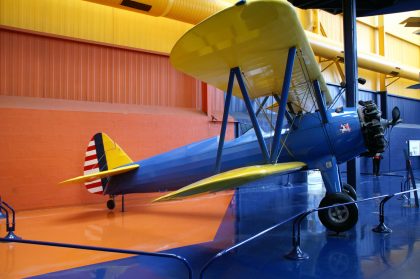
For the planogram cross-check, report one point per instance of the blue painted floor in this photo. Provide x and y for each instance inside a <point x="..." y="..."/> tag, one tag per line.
<point x="358" y="253"/>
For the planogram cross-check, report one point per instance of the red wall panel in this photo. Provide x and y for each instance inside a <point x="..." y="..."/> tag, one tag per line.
<point x="46" y="67"/>
<point x="41" y="147"/>
<point x="44" y="137"/>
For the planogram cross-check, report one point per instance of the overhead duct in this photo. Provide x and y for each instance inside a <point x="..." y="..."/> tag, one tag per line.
<point x="194" y="11"/>
<point x="330" y="49"/>
<point x="190" y="11"/>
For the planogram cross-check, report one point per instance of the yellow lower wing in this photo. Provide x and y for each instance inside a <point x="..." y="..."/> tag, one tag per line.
<point x="101" y="174"/>
<point x="231" y="179"/>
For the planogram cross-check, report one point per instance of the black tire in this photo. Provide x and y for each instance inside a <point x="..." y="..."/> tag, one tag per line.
<point x="110" y="204"/>
<point x="349" y="190"/>
<point x="340" y="218"/>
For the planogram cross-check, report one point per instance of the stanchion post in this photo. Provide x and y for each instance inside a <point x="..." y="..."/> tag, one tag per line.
<point x="9" y="228"/>
<point x="382" y="228"/>
<point x="296" y="253"/>
<point x="297" y="219"/>
<point x="2" y="216"/>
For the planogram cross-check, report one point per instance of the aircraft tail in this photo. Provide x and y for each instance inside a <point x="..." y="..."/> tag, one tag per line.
<point x="103" y="158"/>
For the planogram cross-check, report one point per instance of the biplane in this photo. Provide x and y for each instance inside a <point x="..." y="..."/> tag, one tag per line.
<point x="262" y="46"/>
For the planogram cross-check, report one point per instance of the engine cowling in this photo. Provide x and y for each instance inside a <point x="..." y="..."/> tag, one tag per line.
<point x="372" y="127"/>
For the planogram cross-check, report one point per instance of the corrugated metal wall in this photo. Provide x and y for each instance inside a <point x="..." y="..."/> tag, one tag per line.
<point x="410" y="112"/>
<point x="333" y="27"/>
<point x="89" y="21"/>
<point x="400" y="46"/>
<point x="409" y="107"/>
<point x="46" y="67"/>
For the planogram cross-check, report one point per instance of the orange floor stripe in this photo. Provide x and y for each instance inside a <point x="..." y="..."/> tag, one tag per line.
<point x="145" y="226"/>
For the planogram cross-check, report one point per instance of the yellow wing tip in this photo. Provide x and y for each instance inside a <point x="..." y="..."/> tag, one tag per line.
<point x="101" y="174"/>
<point x="160" y="199"/>
<point x="74" y="179"/>
<point x="64" y="182"/>
<point x="167" y="197"/>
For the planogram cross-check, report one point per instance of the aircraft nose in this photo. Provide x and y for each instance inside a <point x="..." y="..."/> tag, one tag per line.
<point x="373" y="127"/>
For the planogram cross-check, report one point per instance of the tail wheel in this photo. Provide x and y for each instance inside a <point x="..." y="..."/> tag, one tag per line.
<point x="349" y="190"/>
<point x="340" y="218"/>
<point x="110" y="204"/>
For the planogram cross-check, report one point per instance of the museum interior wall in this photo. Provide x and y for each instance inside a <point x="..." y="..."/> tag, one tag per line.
<point x="71" y="68"/>
<point x="55" y="94"/>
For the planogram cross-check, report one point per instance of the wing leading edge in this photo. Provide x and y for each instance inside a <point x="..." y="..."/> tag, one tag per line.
<point x="231" y="179"/>
<point x="256" y="37"/>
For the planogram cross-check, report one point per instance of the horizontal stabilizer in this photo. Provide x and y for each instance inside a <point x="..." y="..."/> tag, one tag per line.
<point x="231" y="179"/>
<point x="101" y="174"/>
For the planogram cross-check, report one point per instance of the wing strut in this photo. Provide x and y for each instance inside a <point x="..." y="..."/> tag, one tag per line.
<point x="224" y="121"/>
<point x="282" y="104"/>
<point x="252" y="115"/>
<point x="237" y="72"/>
<point x="321" y="103"/>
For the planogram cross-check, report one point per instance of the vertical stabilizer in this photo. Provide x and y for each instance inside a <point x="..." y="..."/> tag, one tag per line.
<point x="102" y="154"/>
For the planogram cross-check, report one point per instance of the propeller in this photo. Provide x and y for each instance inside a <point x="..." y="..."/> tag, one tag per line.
<point x="396" y="116"/>
<point x="396" y="119"/>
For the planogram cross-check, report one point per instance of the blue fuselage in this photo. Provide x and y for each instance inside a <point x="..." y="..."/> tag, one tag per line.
<point x="310" y="142"/>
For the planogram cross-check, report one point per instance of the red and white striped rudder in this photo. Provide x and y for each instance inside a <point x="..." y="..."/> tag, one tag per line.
<point x="91" y="165"/>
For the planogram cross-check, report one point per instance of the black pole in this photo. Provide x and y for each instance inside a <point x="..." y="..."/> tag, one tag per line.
<point x="411" y="178"/>
<point x="350" y="62"/>
<point x="384" y="103"/>
<point x="122" y="203"/>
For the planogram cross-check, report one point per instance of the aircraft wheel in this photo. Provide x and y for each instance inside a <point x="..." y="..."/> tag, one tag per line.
<point x="110" y="204"/>
<point x="340" y="218"/>
<point x="349" y="190"/>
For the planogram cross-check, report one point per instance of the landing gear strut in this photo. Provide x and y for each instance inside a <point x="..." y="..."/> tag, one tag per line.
<point x="111" y="202"/>
<point x="340" y="218"/>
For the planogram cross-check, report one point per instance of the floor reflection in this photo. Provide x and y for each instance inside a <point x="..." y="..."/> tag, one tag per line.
<point x="358" y="253"/>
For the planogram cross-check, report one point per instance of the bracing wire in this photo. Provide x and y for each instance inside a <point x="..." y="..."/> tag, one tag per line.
<point x="268" y="120"/>
<point x="312" y="93"/>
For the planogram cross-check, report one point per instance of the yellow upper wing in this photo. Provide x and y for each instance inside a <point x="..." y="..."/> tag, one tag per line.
<point x="256" y="37"/>
<point x="231" y="179"/>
